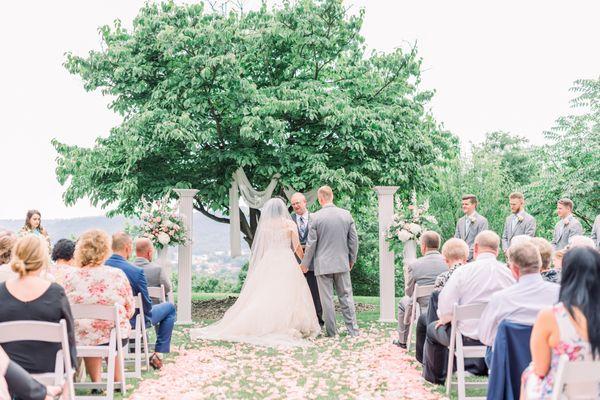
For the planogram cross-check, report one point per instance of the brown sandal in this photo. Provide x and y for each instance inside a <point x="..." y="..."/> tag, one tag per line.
<point x="155" y="361"/>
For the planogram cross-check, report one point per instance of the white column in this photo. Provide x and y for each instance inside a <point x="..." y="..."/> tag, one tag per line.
<point x="184" y="288"/>
<point x="387" y="296"/>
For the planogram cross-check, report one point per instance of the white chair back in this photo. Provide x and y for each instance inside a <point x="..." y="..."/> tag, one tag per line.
<point x="157" y="292"/>
<point x="44" y="332"/>
<point x="419" y="292"/>
<point x="463" y="313"/>
<point x="576" y="379"/>
<point x="140" y="341"/>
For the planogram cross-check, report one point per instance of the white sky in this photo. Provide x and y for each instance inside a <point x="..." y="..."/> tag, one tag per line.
<point x="502" y="66"/>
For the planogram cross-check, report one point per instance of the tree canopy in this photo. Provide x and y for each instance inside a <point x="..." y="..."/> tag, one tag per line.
<point x="289" y="90"/>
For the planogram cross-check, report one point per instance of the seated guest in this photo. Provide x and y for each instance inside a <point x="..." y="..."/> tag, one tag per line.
<point x="163" y="315"/>
<point x="545" y="249"/>
<point x="521" y="302"/>
<point x="581" y="241"/>
<point x="571" y="327"/>
<point x="155" y="274"/>
<point x="7" y="242"/>
<point x="472" y="283"/>
<point x="455" y="252"/>
<point x="92" y="282"/>
<point x="62" y="256"/>
<point x="422" y="271"/>
<point x="28" y="297"/>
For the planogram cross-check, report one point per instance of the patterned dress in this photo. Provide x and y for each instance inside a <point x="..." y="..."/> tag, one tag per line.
<point x="571" y="344"/>
<point x="99" y="285"/>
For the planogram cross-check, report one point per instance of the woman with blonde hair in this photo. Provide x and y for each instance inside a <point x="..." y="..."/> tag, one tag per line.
<point x="7" y="242"/>
<point x="92" y="282"/>
<point x="29" y="297"/>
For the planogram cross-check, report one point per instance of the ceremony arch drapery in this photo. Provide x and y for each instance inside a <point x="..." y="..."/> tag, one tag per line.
<point x="240" y="184"/>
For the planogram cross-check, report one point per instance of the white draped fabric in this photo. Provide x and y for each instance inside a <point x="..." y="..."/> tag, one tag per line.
<point x="255" y="199"/>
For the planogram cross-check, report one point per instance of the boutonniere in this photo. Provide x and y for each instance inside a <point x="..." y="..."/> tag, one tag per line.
<point x="472" y="218"/>
<point x="520" y="218"/>
<point x="566" y="221"/>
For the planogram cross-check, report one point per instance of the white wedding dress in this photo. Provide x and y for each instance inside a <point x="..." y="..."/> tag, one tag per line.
<point x="275" y="306"/>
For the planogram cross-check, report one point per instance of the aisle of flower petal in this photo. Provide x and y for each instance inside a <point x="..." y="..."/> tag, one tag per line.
<point x="368" y="367"/>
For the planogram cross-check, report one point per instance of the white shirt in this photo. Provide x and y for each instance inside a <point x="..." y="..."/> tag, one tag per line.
<point x="473" y="283"/>
<point x="519" y="303"/>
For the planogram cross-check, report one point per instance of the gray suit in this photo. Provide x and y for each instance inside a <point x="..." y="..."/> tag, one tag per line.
<point x="596" y="232"/>
<point x="524" y="225"/>
<point x="155" y="274"/>
<point x="563" y="233"/>
<point x="332" y="246"/>
<point x="480" y="224"/>
<point x="422" y="271"/>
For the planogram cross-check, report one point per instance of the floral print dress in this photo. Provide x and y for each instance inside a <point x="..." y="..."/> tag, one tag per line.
<point x="99" y="285"/>
<point x="571" y="344"/>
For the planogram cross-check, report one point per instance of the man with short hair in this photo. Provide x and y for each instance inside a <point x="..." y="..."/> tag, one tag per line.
<point x="470" y="284"/>
<point x="155" y="274"/>
<point x="567" y="227"/>
<point x="333" y="247"/>
<point x="471" y="224"/>
<point x="422" y="271"/>
<point x="596" y="232"/>
<point x="519" y="222"/>
<point x="581" y="241"/>
<point x="545" y="249"/>
<point x="522" y="301"/>
<point x="162" y="316"/>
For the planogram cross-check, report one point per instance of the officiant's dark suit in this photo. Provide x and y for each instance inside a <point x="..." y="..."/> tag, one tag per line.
<point x="310" y="274"/>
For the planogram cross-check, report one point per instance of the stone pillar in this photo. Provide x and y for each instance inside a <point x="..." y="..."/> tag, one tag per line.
<point x="184" y="288"/>
<point x="387" y="296"/>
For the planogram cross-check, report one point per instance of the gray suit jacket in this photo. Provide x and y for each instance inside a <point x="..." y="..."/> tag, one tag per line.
<point x="423" y="271"/>
<point x="596" y="232"/>
<point x="304" y="238"/>
<point x="155" y="274"/>
<point x="563" y="233"/>
<point x="480" y="224"/>
<point x="332" y="241"/>
<point x="525" y="227"/>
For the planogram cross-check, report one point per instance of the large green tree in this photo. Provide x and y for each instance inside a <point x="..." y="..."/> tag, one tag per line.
<point x="288" y="90"/>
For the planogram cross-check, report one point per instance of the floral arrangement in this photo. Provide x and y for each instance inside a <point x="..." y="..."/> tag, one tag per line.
<point x="160" y="222"/>
<point x="410" y="223"/>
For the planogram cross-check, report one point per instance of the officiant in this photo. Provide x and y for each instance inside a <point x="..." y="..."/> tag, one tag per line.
<point x="302" y="219"/>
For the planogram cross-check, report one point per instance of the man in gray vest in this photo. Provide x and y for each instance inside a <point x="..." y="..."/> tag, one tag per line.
<point x="301" y="217"/>
<point x="567" y="227"/>
<point x="332" y="246"/>
<point x="596" y="232"/>
<point x="519" y="222"/>
<point x="471" y="224"/>
<point x="422" y="271"/>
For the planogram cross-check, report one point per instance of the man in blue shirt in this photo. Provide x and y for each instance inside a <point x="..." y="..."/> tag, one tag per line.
<point x="163" y="315"/>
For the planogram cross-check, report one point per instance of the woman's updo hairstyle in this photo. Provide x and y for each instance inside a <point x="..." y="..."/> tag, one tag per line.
<point x="29" y="254"/>
<point x="92" y="248"/>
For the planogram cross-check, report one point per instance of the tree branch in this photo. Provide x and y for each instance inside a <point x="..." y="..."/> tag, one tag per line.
<point x="198" y="206"/>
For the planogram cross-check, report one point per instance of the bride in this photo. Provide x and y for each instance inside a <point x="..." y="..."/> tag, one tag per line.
<point x="275" y="306"/>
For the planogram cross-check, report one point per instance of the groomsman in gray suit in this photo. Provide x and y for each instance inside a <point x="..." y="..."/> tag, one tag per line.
<point x="469" y="226"/>
<point x="567" y="227"/>
<point x="596" y="232"/>
<point x="333" y="247"/>
<point x="302" y="217"/>
<point x="519" y="222"/>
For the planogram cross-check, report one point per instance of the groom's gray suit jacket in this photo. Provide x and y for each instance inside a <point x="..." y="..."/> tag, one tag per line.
<point x="332" y="241"/>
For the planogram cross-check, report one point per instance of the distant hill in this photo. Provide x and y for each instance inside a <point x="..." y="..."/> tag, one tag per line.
<point x="209" y="236"/>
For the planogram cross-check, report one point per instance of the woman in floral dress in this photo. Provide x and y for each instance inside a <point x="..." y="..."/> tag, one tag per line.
<point x="92" y="282"/>
<point x="571" y="327"/>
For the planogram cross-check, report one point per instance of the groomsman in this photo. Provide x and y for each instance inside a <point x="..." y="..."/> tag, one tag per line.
<point x="596" y="232"/>
<point x="567" y="227"/>
<point x="519" y="222"/>
<point x="469" y="226"/>
<point x="301" y="217"/>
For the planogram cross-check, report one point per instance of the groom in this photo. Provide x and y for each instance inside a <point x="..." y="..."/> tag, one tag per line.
<point x="333" y="247"/>
<point x="302" y="218"/>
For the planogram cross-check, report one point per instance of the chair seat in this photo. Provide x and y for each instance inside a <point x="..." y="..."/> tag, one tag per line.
<point x="474" y="351"/>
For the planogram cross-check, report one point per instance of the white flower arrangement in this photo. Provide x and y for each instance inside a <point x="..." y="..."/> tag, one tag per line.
<point x="411" y="223"/>
<point x="160" y="222"/>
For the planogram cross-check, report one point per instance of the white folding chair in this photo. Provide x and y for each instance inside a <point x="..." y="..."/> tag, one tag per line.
<point x="113" y="351"/>
<point x="51" y="332"/>
<point x="157" y="292"/>
<point x="419" y="292"/>
<point x="140" y="342"/>
<point x="576" y="379"/>
<point x="463" y="313"/>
